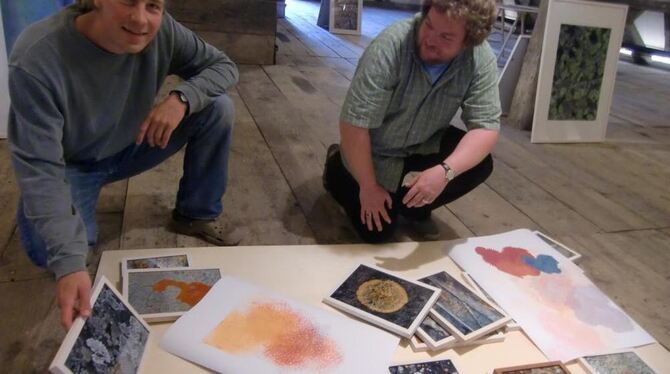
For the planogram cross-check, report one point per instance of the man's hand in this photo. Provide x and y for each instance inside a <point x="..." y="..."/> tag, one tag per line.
<point x="426" y="187"/>
<point x="374" y="201"/>
<point x="162" y="121"/>
<point x="74" y="295"/>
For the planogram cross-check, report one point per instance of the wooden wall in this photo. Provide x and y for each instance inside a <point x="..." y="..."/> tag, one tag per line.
<point x="244" y="29"/>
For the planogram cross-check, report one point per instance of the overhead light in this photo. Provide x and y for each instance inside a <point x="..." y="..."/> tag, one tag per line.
<point x="661" y="59"/>
<point x="626" y="51"/>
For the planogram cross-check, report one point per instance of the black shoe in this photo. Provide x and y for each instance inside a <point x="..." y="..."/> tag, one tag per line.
<point x="425" y="228"/>
<point x="333" y="151"/>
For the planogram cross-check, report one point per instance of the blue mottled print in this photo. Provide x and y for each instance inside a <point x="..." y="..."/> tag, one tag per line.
<point x="543" y="263"/>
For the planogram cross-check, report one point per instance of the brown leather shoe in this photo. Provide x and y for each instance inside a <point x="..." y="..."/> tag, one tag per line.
<point x="205" y="230"/>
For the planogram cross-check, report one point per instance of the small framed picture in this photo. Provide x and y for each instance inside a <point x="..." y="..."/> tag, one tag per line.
<point x="553" y="367"/>
<point x="346" y="16"/>
<point x="463" y="312"/>
<point x="616" y="363"/>
<point x="390" y="302"/>
<point x="171" y="260"/>
<point x="165" y="294"/>
<point x="561" y="248"/>
<point x="434" y="335"/>
<point x="113" y="339"/>
<point x="436" y="366"/>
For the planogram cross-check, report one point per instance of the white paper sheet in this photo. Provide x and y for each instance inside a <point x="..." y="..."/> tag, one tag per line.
<point x="242" y="328"/>
<point x="557" y="306"/>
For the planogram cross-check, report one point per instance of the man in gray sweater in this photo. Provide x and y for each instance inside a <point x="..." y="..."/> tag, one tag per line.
<point x="83" y="85"/>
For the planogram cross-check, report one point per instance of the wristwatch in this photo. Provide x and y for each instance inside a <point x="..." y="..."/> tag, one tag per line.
<point x="449" y="173"/>
<point x="183" y="99"/>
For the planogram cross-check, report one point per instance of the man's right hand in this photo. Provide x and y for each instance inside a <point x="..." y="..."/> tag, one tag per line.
<point x="374" y="201"/>
<point x="74" y="295"/>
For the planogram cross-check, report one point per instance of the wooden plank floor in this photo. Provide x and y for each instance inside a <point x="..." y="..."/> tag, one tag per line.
<point x="609" y="201"/>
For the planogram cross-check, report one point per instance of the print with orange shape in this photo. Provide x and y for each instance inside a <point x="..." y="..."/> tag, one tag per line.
<point x="285" y="337"/>
<point x="189" y="293"/>
<point x="519" y="262"/>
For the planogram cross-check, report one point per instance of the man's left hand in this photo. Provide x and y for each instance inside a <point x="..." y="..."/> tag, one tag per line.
<point x="426" y="187"/>
<point x="157" y="128"/>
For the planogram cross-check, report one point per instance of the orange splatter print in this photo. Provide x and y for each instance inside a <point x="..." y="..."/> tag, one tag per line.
<point x="285" y="337"/>
<point x="189" y="293"/>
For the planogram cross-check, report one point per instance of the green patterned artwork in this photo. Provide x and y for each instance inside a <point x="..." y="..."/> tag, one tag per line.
<point x="578" y="74"/>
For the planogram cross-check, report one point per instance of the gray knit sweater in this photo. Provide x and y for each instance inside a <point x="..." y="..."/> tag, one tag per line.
<point x="73" y="102"/>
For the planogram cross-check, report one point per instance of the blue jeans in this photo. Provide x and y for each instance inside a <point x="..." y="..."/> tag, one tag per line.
<point x="206" y="134"/>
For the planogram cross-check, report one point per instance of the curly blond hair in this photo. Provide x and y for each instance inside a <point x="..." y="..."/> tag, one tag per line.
<point x="479" y="16"/>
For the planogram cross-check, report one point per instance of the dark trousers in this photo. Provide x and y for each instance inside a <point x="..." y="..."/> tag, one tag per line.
<point x="344" y="188"/>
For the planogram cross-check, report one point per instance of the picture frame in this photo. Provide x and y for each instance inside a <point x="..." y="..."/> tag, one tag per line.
<point x="346" y="17"/>
<point x="82" y="330"/>
<point x="417" y="344"/>
<point x="179" y="259"/>
<point x="401" y="313"/>
<point x="534" y="368"/>
<point x="511" y="325"/>
<point x="623" y="360"/>
<point x="434" y="335"/>
<point x="442" y="366"/>
<point x="165" y="294"/>
<point x="577" y="71"/>
<point x="465" y="313"/>
<point x="569" y="253"/>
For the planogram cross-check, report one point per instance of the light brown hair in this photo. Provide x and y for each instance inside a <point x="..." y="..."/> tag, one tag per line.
<point x="479" y="16"/>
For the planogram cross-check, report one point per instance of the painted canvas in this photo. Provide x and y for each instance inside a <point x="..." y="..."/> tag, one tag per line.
<point x="112" y="340"/>
<point x="578" y="73"/>
<point x="554" y="367"/>
<point x="426" y="367"/>
<point x="464" y="313"/>
<point x="617" y="363"/>
<point x="165" y="294"/>
<point x="242" y="328"/>
<point x="386" y="300"/>
<point x="559" y="308"/>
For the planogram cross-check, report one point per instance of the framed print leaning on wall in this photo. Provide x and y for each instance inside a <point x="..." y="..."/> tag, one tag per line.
<point x="346" y="16"/>
<point x="577" y="71"/>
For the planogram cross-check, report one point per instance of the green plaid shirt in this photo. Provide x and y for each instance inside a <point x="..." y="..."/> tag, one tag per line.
<point x="392" y="95"/>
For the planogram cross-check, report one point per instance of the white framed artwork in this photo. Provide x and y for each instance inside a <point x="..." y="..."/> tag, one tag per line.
<point x="179" y="259"/>
<point x="624" y="361"/>
<point x="165" y="294"/>
<point x="112" y="340"/>
<point x="463" y="312"/>
<point x="577" y="71"/>
<point x="383" y="299"/>
<point x="346" y="17"/>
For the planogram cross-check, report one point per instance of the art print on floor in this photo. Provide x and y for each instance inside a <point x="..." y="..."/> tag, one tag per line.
<point x="425" y="367"/>
<point x="560" y="309"/>
<point x="386" y="300"/>
<point x="156" y="262"/>
<point x="616" y="363"/>
<point x="561" y="248"/>
<point x="112" y="340"/>
<point x="242" y="328"/>
<point x="165" y="294"/>
<point x="464" y="313"/>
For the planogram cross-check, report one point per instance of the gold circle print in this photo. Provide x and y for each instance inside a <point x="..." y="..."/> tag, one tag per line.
<point x="384" y="296"/>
